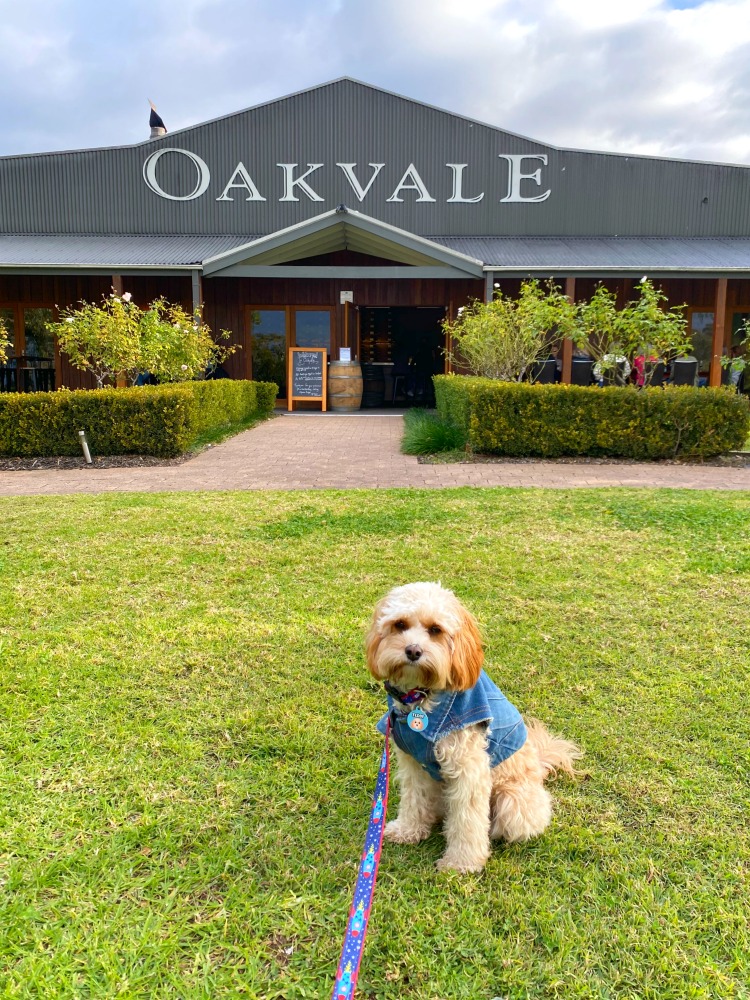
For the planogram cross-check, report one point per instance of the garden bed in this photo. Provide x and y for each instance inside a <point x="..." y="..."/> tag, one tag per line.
<point x="735" y="460"/>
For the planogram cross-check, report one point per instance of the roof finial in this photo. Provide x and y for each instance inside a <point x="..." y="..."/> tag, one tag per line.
<point x="157" y="125"/>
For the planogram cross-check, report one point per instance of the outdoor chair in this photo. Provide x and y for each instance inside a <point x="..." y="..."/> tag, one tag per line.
<point x="616" y="375"/>
<point x="684" y="371"/>
<point x="658" y="375"/>
<point x="544" y="372"/>
<point x="582" y="371"/>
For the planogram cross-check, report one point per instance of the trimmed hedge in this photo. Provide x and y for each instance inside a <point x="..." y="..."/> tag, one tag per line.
<point x="161" y="420"/>
<point x="513" y="418"/>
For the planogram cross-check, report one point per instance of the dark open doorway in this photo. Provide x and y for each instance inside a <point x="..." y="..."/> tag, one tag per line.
<point x="400" y="350"/>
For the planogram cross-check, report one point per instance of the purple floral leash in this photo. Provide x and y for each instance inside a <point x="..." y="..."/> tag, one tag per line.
<point x="364" y="889"/>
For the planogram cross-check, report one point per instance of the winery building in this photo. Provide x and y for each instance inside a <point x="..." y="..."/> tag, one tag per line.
<point x="346" y="216"/>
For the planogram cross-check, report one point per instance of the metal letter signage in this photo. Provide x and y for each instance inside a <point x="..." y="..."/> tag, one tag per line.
<point x="410" y="181"/>
<point x="348" y="169"/>
<point x="417" y="184"/>
<point x="515" y="176"/>
<point x="290" y="182"/>
<point x="245" y="181"/>
<point x="149" y="174"/>
<point x="457" y="196"/>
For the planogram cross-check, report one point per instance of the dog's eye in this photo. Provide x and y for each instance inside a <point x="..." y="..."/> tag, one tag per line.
<point x="400" y="625"/>
<point x="435" y="630"/>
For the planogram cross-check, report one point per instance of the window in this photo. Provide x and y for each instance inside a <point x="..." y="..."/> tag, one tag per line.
<point x="28" y="335"/>
<point x="39" y="343"/>
<point x="312" y="328"/>
<point x="268" y="347"/>
<point x="702" y="330"/>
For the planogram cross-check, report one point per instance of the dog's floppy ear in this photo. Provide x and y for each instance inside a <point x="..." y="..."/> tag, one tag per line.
<point x="372" y="641"/>
<point x="468" y="655"/>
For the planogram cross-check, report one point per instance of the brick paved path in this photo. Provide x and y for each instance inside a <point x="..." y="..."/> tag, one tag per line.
<point x="313" y="450"/>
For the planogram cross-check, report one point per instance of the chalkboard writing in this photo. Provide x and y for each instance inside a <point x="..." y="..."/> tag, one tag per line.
<point x="307" y="374"/>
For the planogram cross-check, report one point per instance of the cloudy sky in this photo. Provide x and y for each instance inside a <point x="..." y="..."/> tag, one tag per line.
<point x="662" y="77"/>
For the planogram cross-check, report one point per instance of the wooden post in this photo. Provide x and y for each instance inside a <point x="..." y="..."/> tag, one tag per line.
<point x="448" y="347"/>
<point x="566" y="374"/>
<point x="197" y="284"/>
<point x="717" y="347"/>
<point x="489" y="286"/>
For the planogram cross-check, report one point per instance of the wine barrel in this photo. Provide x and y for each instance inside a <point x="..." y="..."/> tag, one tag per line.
<point x="344" y="386"/>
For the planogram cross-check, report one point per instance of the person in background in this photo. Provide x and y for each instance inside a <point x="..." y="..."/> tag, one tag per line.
<point x="639" y="367"/>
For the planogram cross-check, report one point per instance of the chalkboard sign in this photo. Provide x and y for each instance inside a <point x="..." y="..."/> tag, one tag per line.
<point x="306" y="374"/>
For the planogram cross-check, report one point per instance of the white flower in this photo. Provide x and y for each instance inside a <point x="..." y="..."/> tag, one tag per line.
<point x="497" y="284"/>
<point x="460" y="310"/>
<point x="184" y="368"/>
<point x="126" y="296"/>
<point x="69" y="319"/>
<point x="644" y="278"/>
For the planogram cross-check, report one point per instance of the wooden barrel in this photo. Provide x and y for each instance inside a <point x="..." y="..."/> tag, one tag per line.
<point x="344" y="386"/>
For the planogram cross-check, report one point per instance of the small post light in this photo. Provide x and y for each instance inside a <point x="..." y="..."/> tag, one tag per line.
<point x="85" y="447"/>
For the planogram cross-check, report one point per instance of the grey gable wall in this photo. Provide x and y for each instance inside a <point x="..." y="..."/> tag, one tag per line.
<point x="103" y="191"/>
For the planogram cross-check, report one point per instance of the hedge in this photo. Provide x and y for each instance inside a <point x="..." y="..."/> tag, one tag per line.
<point x="512" y="418"/>
<point x="163" y="420"/>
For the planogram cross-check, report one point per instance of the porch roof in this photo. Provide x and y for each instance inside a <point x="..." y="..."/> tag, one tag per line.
<point x="504" y="255"/>
<point x="636" y="255"/>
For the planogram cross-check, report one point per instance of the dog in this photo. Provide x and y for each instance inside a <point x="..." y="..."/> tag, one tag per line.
<point x="465" y="754"/>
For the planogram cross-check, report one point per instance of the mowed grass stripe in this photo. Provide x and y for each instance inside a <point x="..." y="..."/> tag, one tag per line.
<point x="188" y="744"/>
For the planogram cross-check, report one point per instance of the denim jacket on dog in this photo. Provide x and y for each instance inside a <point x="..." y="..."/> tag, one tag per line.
<point x="453" y="710"/>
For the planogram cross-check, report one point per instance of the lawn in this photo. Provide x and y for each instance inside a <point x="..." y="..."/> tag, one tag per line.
<point x="188" y="747"/>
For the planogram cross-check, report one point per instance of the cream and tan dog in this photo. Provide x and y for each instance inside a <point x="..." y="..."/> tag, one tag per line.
<point x="465" y="755"/>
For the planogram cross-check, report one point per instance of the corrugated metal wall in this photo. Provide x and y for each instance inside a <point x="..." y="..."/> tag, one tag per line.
<point x="104" y="191"/>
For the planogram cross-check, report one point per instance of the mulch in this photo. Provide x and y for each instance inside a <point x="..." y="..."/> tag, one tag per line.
<point x="68" y="462"/>
<point x="734" y="460"/>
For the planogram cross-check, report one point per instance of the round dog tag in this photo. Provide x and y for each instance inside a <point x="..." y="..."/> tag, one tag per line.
<point x="417" y="720"/>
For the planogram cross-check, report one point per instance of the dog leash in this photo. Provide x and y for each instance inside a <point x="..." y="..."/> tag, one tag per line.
<point x="364" y="888"/>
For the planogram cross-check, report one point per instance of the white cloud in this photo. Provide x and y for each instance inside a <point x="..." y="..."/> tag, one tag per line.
<point x="637" y="76"/>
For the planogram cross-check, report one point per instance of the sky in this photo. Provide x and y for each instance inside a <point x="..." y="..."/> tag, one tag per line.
<point x="658" y="77"/>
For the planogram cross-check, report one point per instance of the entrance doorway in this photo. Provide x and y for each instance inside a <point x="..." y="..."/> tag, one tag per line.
<point x="400" y="350"/>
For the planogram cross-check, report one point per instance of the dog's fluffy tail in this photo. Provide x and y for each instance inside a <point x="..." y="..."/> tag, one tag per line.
<point x="555" y="754"/>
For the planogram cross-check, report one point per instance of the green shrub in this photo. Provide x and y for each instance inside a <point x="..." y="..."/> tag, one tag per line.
<point x="159" y="420"/>
<point x="426" y="434"/>
<point x="551" y="420"/>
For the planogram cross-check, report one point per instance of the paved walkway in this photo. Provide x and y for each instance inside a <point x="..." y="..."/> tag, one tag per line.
<point x="314" y="450"/>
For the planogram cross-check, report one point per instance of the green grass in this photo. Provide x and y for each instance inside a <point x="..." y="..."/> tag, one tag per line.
<point x="188" y="748"/>
<point x="426" y="434"/>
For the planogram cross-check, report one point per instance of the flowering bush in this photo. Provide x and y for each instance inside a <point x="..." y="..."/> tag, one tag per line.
<point x="504" y="338"/>
<point x="176" y="346"/>
<point x="117" y="341"/>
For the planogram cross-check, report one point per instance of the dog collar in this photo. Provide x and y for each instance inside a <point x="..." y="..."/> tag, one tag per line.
<point x="412" y="697"/>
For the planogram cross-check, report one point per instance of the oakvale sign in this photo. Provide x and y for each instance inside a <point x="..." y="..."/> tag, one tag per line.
<point x="524" y="184"/>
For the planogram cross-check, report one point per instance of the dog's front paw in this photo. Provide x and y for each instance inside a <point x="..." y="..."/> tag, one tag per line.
<point x="397" y="832"/>
<point x="462" y="863"/>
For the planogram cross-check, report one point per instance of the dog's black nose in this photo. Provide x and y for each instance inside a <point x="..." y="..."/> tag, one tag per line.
<point x="413" y="652"/>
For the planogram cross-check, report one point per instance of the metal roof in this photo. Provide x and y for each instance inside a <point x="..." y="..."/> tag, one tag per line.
<point x="605" y="254"/>
<point x="509" y="254"/>
<point x="113" y="251"/>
